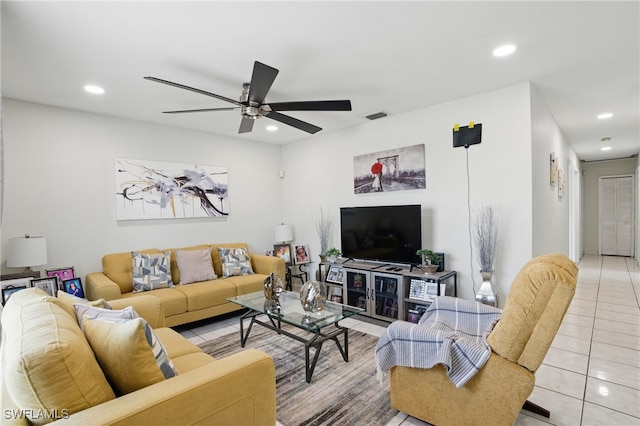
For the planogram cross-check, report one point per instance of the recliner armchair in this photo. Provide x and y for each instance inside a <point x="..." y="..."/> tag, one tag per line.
<point x="537" y="302"/>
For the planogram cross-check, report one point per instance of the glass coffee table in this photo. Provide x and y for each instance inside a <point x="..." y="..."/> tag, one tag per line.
<point x="322" y="325"/>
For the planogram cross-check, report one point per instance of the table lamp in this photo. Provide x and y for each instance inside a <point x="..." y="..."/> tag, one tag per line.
<point x="283" y="233"/>
<point x="27" y="251"/>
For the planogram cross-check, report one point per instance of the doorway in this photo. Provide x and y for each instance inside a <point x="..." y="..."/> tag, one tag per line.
<point x="617" y="215"/>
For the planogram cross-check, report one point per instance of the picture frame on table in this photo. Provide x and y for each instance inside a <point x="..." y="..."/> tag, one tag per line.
<point x="283" y="251"/>
<point x="9" y="290"/>
<point x="335" y="274"/>
<point x="48" y="284"/>
<point x="73" y="287"/>
<point x="62" y="274"/>
<point x="301" y="254"/>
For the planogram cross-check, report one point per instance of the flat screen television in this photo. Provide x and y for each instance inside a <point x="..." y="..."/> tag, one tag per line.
<point x="382" y="233"/>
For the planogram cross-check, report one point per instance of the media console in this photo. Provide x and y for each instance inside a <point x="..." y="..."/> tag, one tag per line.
<point x="386" y="291"/>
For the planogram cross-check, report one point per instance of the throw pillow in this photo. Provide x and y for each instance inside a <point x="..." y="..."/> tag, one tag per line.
<point x="129" y="353"/>
<point x="151" y="271"/>
<point x="235" y="261"/>
<point x="195" y="265"/>
<point x="91" y="312"/>
<point x="66" y="301"/>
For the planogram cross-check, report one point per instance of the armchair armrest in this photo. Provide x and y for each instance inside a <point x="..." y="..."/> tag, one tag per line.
<point x="262" y="264"/>
<point x="238" y="389"/>
<point x="99" y="286"/>
<point x="148" y="307"/>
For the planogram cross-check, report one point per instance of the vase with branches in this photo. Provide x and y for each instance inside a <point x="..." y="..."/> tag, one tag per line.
<point x="323" y="224"/>
<point x="485" y="233"/>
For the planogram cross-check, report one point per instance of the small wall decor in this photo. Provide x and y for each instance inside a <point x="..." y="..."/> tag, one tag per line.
<point x="553" y="169"/>
<point x="393" y="170"/>
<point x="9" y="290"/>
<point x="301" y="254"/>
<point x="560" y="182"/>
<point x="163" y="190"/>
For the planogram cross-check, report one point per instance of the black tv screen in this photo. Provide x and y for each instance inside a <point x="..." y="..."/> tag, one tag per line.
<point x="382" y="233"/>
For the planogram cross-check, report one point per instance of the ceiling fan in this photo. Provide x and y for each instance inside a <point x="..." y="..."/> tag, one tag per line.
<point x="252" y="103"/>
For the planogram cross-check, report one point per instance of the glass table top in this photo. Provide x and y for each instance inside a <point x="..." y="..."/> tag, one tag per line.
<point x="290" y="310"/>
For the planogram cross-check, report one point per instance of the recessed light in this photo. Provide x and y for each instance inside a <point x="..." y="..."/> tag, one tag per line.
<point x="605" y="115"/>
<point x="272" y="128"/>
<point x="505" y="50"/>
<point x="96" y="90"/>
<point x="605" y="148"/>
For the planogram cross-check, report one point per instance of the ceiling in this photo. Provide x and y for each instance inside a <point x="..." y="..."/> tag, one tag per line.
<point x="582" y="58"/>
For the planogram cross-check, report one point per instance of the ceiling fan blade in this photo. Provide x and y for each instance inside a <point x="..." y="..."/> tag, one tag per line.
<point x="193" y="89"/>
<point x="299" y="124"/>
<point x="246" y="125"/>
<point x="344" y="105"/>
<point x="261" y="81"/>
<point x="199" y="110"/>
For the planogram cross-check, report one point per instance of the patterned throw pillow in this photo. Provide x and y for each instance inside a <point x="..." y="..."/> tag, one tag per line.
<point x="151" y="271"/>
<point x="195" y="265"/>
<point x="129" y="352"/>
<point x="235" y="261"/>
<point x="84" y="311"/>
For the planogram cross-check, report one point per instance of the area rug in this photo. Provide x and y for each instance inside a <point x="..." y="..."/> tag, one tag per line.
<point x="340" y="393"/>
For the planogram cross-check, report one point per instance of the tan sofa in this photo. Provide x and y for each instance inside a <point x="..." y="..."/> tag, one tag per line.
<point x="184" y="303"/>
<point x="48" y="371"/>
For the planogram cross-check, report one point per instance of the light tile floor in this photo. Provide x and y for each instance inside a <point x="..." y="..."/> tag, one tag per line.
<point x="591" y="375"/>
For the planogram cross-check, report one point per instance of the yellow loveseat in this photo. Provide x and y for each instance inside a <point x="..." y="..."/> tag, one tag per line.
<point x="49" y="372"/>
<point x="184" y="303"/>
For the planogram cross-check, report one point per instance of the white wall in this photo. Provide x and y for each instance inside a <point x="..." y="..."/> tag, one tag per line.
<point x="550" y="212"/>
<point x="319" y="172"/>
<point x="59" y="182"/>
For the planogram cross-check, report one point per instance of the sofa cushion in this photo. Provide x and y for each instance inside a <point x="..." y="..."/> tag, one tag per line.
<point x="195" y="265"/>
<point x="173" y="301"/>
<point x="50" y="364"/>
<point x="206" y="294"/>
<point x="215" y="255"/>
<point x="130" y="354"/>
<point x="248" y="283"/>
<point x="151" y="271"/>
<point x="235" y="261"/>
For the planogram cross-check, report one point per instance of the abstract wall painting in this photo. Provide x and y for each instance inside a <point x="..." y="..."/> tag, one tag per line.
<point x="393" y="170"/>
<point x="165" y="190"/>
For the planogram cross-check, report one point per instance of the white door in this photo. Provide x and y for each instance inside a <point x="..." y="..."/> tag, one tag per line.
<point x="616" y="216"/>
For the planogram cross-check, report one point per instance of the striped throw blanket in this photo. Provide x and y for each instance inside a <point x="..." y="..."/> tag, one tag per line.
<point x="451" y="332"/>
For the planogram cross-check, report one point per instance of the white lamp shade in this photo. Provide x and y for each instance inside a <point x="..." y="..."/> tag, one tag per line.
<point x="27" y="251"/>
<point x="283" y="233"/>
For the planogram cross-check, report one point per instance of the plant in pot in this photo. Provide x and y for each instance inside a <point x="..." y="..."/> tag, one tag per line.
<point x="430" y="260"/>
<point x="323" y="224"/>
<point x="332" y="254"/>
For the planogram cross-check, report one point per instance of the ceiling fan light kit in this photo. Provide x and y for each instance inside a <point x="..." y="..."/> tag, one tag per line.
<point x="252" y="103"/>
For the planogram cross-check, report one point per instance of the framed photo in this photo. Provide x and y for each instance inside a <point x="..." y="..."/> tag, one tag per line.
<point x="283" y="251"/>
<point x="301" y="254"/>
<point x="418" y="289"/>
<point x="9" y="290"/>
<point x="73" y="287"/>
<point x="62" y="274"/>
<point x="335" y="274"/>
<point x="49" y="285"/>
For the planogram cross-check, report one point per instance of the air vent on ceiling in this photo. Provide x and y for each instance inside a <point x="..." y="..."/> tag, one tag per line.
<point x="377" y="115"/>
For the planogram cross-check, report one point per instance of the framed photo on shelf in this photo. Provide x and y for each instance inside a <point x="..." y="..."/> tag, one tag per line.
<point x="417" y="289"/>
<point x="301" y="254"/>
<point x="335" y="274"/>
<point x="9" y="290"/>
<point x="283" y="251"/>
<point x="48" y="285"/>
<point x="62" y="274"/>
<point x="73" y="287"/>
